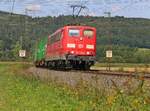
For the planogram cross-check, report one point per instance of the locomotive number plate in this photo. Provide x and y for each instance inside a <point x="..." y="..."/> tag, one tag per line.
<point x="80" y="46"/>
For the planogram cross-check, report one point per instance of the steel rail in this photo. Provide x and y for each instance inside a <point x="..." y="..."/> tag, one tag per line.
<point x="137" y="75"/>
<point x="120" y="74"/>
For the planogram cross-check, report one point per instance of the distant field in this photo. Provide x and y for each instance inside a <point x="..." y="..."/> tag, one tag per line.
<point x="127" y="67"/>
<point x="122" y="65"/>
<point x="21" y="93"/>
<point x="144" y="49"/>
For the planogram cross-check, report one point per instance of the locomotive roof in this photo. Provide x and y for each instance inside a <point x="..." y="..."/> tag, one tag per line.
<point x="78" y="26"/>
<point x="69" y="26"/>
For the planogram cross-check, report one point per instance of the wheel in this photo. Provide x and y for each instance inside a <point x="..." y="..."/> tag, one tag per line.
<point x="86" y="67"/>
<point x="36" y="64"/>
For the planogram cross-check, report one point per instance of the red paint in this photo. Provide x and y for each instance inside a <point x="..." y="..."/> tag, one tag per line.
<point x="60" y="48"/>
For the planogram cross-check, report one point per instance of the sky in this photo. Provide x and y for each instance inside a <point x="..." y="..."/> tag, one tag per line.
<point x="127" y="8"/>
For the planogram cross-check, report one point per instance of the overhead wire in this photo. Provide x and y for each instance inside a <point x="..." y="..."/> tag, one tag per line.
<point x="46" y="3"/>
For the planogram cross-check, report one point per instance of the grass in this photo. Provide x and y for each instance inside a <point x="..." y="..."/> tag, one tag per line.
<point x="20" y="93"/>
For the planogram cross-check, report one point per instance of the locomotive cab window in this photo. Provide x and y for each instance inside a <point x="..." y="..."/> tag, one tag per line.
<point x="55" y="38"/>
<point x="74" y="32"/>
<point x="88" y="33"/>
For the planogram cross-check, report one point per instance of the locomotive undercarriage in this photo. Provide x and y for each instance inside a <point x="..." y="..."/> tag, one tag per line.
<point x="71" y="62"/>
<point x="81" y="62"/>
<point x="77" y="65"/>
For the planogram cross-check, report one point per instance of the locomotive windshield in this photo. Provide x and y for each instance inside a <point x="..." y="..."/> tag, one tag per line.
<point x="74" y="32"/>
<point x="88" y="33"/>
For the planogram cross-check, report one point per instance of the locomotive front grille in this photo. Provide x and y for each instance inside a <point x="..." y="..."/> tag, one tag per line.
<point x="82" y="58"/>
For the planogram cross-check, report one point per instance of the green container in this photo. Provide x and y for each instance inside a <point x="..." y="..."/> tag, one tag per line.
<point x="41" y="50"/>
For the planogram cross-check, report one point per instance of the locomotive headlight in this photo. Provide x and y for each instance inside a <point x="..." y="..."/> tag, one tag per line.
<point x="87" y="53"/>
<point x="90" y="46"/>
<point x="72" y="52"/>
<point x="71" y="45"/>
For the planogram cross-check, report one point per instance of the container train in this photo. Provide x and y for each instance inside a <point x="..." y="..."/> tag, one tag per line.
<point x="70" y="47"/>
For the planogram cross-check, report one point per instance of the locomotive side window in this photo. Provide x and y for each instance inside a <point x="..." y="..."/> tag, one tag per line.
<point x="55" y="38"/>
<point x="74" y="32"/>
<point x="88" y="33"/>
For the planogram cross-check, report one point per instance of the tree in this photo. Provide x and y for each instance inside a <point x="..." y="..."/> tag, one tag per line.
<point x="15" y="50"/>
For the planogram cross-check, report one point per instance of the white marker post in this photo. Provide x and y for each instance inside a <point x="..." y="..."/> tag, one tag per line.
<point x="22" y="53"/>
<point x="109" y="53"/>
<point x="109" y="56"/>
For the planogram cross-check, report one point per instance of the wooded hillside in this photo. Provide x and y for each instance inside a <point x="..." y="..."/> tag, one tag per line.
<point x="127" y="35"/>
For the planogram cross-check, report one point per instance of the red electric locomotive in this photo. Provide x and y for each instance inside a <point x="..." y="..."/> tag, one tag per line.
<point x="71" y="47"/>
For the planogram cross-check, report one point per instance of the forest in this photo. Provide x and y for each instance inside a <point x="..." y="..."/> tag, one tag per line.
<point x="129" y="38"/>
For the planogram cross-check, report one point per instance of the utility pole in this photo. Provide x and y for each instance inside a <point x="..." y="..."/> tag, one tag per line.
<point x="26" y="22"/>
<point x="10" y="23"/>
<point x="13" y="5"/>
<point x="109" y="51"/>
<point x="26" y="29"/>
<point x="108" y="14"/>
<point x="22" y="52"/>
<point x="109" y="24"/>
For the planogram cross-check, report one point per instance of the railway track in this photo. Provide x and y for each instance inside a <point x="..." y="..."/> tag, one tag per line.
<point x="120" y="74"/>
<point x="141" y="76"/>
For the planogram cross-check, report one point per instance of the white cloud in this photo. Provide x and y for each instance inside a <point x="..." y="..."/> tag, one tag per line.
<point x="115" y="8"/>
<point x="33" y="7"/>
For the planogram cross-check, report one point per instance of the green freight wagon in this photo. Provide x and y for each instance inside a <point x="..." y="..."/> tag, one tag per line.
<point x="40" y="52"/>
